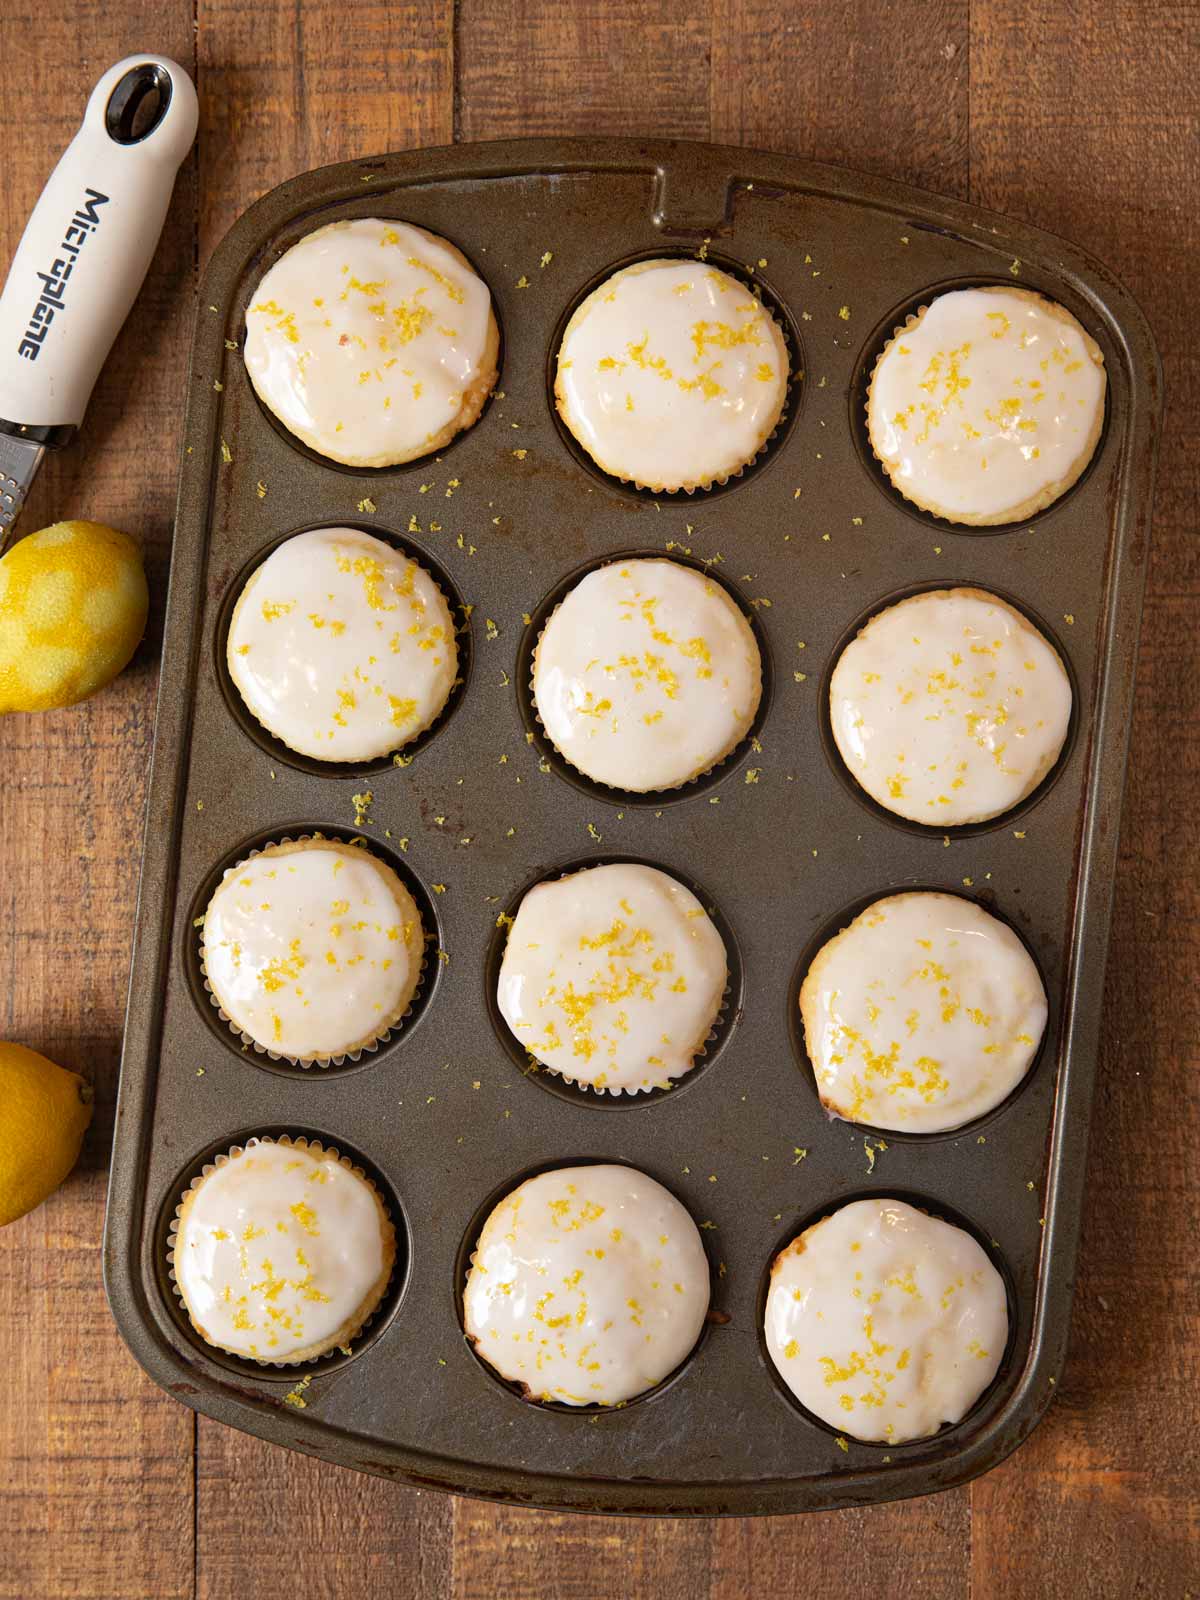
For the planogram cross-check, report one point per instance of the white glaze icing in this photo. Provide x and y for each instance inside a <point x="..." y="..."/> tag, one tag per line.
<point x="885" y="1322"/>
<point x="279" y="1250"/>
<point x="613" y="976"/>
<point x="373" y="341"/>
<point x="589" y="1285"/>
<point x="672" y="374"/>
<point x="341" y="646"/>
<point x="312" y="949"/>
<point x="949" y="707"/>
<point x="646" y="675"/>
<point x="922" y="1014"/>
<point x="987" y="402"/>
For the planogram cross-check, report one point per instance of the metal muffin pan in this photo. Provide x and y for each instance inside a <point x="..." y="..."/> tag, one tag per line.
<point x="443" y="1116"/>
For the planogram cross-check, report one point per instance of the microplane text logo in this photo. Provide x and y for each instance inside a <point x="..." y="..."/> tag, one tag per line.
<point x="54" y="282"/>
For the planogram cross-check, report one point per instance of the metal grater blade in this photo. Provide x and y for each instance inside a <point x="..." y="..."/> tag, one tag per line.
<point x="19" y="462"/>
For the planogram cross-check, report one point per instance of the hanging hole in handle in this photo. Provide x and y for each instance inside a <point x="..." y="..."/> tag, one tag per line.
<point x="138" y="103"/>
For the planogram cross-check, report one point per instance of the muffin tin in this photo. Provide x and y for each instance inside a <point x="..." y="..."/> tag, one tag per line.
<point x="810" y="540"/>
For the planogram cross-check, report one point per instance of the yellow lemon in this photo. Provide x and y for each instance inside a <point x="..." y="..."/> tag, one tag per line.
<point x="44" y="1114"/>
<point x="73" y="607"/>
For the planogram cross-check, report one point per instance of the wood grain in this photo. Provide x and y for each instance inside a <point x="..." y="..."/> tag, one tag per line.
<point x="1105" y="1491"/>
<point x="557" y="66"/>
<point x="96" y="1489"/>
<point x="268" y="1519"/>
<point x="285" y="88"/>
<point x="1082" y="118"/>
<point x="881" y="88"/>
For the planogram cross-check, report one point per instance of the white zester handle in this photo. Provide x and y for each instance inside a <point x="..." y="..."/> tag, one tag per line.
<point x="88" y="244"/>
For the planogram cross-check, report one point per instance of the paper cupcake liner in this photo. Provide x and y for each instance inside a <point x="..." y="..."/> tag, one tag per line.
<point x="642" y="795"/>
<point x="299" y="1142"/>
<point x="1022" y="510"/>
<point x="702" y="487"/>
<point x="249" y="1042"/>
<point x="897" y="332"/>
<point x="698" y="1055"/>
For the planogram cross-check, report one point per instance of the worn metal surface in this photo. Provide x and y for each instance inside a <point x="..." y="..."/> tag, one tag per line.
<point x="782" y="842"/>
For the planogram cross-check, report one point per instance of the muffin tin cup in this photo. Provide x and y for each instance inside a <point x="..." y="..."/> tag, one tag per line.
<point x="1033" y="795"/>
<point x="716" y="769"/>
<point x="777" y="431"/>
<point x="481" y="387"/>
<point x="833" y="929"/>
<point x="321" y="1062"/>
<point x="742" y="1140"/>
<point x="1036" y="506"/>
<point x="465" y="1262"/>
<point x="266" y="737"/>
<point x="712" y="1042"/>
<point x="942" y="1213"/>
<point x="300" y="1142"/>
<point x="1033" y="785"/>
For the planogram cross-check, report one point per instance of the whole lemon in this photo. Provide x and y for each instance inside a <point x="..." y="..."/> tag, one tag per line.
<point x="44" y="1113"/>
<point x="73" y="605"/>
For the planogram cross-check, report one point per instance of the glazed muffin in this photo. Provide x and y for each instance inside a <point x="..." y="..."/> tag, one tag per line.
<point x="281" y="1251"/>
<point x="342" y="646"/>
<point x="613" y="977"/>
<point x="987" y="405"/>
<point x="373" y="342"/>
<point x="672" y="375"/>
<point x="921" y="1015"/>
<point x="646" y="675"/>
<point x="588" y="1286"/>
<point x="312" y="949"/>
<point x="884" y="1322"/>
<point x="949" y="707"/>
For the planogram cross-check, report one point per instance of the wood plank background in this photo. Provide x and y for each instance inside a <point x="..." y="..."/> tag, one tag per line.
<point x="1081" y="117"/>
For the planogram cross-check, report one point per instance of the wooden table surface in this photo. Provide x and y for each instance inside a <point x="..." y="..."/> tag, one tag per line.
<point x="1081" y="117"/>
